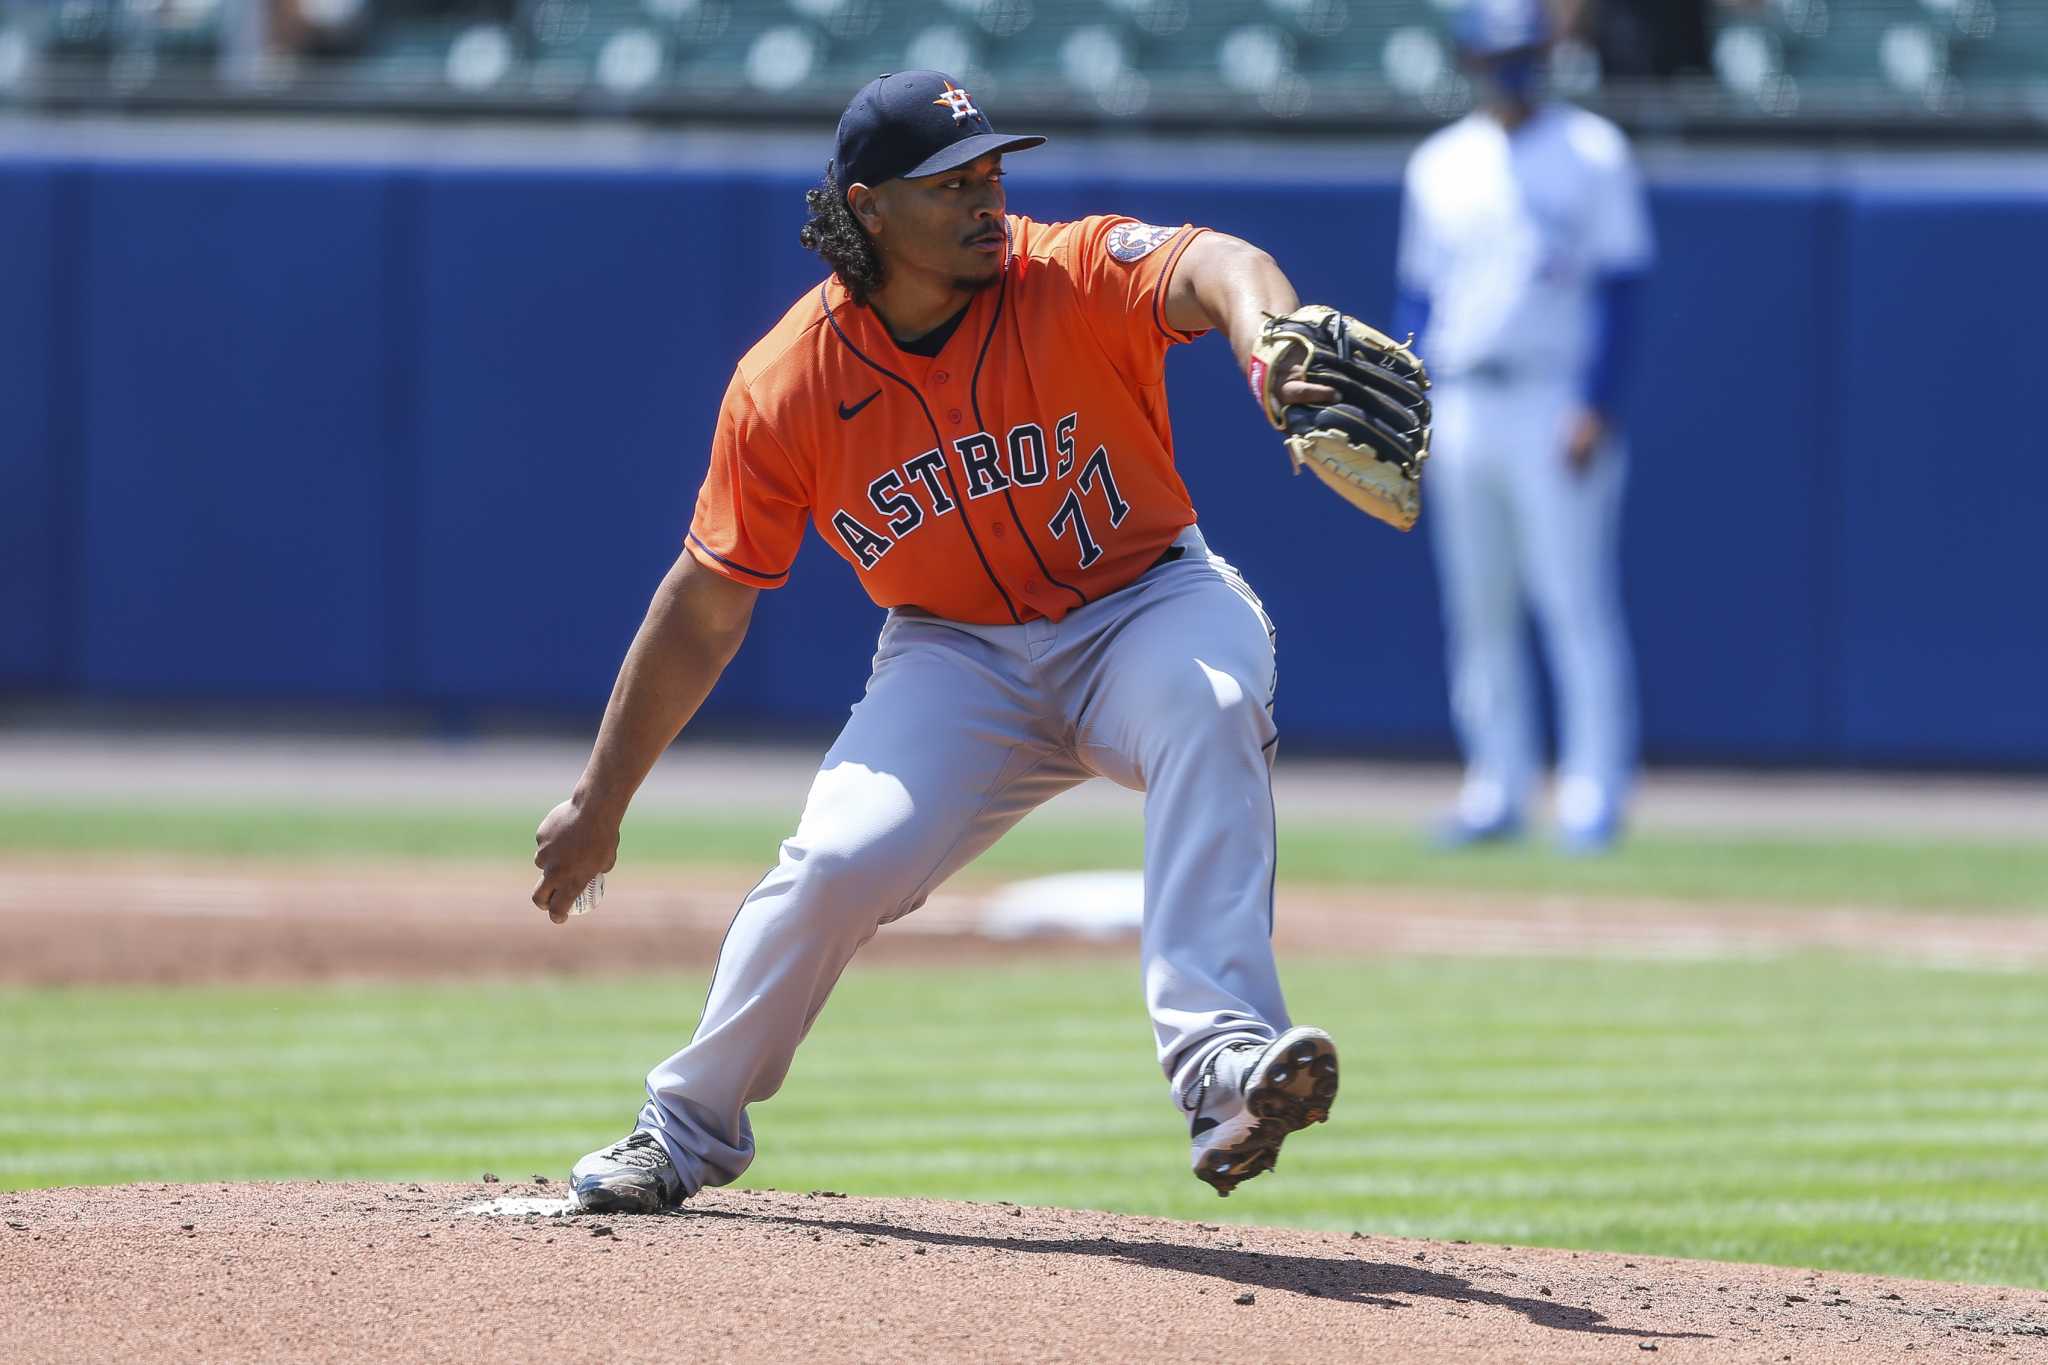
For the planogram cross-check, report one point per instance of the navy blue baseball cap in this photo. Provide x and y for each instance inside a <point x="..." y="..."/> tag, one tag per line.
<point x="909" y="123"/>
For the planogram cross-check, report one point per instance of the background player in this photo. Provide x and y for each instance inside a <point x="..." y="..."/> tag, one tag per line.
<point x="1524" y="240"/>
<point x="971" y="413"/>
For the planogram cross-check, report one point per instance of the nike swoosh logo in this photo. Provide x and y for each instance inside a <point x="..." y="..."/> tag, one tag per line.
<point x="847" y="414"/>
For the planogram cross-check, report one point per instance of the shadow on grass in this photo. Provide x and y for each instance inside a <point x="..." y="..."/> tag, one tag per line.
<point x="1341" y="1279"/>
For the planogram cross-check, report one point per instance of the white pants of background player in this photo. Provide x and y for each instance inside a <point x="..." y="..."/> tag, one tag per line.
<point x="1165" y="687"/>
<point x="1512" y="523"/>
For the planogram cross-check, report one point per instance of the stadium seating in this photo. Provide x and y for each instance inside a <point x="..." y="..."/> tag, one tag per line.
<point x="114" y="31"/>
<point x="1930" y="52"/>
<point x="1087" y="58"/>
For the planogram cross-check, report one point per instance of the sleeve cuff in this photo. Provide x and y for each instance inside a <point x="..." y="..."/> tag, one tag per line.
<point x="726" y="568"/>
<point x="1179" y="249"/>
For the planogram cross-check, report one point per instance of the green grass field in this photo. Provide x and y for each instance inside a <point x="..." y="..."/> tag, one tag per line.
<point x="1818" y="1112"/>
<point x="1788" y="870"/>
<point x="1805" y="1111"/>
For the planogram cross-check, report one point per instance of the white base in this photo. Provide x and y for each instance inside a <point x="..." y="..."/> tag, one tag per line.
<point x="1095" y="905"/>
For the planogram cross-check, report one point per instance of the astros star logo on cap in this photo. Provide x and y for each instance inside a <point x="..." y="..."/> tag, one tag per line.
<point x="959" y="101"/>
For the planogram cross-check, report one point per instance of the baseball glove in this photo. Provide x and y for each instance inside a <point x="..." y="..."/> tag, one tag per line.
<point x="1371" y="443"/>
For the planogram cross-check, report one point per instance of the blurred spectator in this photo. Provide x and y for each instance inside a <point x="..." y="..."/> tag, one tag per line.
<point x="1524" y="236"/>
<point x="269" y="35"/>
<point x="266" y="38"/>
<point x="1646" y="39"/>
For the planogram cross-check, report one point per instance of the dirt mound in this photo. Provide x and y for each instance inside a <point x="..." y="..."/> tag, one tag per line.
<point x="408" y="1272"/>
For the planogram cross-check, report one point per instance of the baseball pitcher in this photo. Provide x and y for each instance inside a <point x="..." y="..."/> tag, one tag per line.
<point x="971" y="412"/>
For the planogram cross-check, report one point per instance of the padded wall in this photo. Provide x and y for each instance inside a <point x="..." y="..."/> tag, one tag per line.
<point x="396" y="434"/>
<point x="1944" y="478"/>
<point x="567" y="345"/>
<point x="233" y="431"/>
<point x="35" y="595"/>
<point x="1727" y="543"/>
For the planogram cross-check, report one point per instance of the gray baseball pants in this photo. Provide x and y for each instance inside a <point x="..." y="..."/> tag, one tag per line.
<point x="1164" y="687"/>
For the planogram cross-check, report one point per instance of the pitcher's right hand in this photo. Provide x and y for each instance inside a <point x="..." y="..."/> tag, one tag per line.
<point x="575" y="844"/>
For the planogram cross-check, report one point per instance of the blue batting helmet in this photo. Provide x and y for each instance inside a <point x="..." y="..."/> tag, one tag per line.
<point x="1485" y="28"/>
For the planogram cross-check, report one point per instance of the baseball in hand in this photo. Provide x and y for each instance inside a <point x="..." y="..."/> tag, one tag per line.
<point x="587" y="899"/>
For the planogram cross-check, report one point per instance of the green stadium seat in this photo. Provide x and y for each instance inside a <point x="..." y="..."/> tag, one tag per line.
<point x="2002" y="45"/>
<point x="177" y="30"/>
<point x="419" y="55"/>
<point x="79" y="28"/>
<point x="564" y="40"/>
<point x="1257" y="54"/>
<point x="1849" y="51"/>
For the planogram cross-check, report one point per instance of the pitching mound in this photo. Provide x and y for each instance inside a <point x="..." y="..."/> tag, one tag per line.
<point x="361" y="1271"/>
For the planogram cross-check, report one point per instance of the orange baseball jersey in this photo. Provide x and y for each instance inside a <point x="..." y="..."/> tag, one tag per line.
<point x="1025" y="470"/>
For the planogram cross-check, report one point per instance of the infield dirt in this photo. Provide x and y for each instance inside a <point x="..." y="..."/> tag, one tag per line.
<point x="347" y="1272"/>
<point x="170" y="921"/>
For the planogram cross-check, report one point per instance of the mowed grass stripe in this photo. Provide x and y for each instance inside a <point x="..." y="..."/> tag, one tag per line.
<point x="1531" y="1078"/>
<point x="1479" y="1112"/>
<point x="1872" y="1136"/>
<point x="1776" y="868"/>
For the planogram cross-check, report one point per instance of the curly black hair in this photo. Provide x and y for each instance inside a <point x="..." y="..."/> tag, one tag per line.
<point x="835" y="234"/>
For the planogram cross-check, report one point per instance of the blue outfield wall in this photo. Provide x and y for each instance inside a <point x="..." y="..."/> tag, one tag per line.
<point x="34" y="598"/>
<point x="1943" y="460"/>
<point x="430" y="435"/>
<point x="231" y="403"/>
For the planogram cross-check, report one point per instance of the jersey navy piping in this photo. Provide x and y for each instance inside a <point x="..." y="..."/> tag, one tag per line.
<point x="974" y="399"/>
<point x="734" y="564"/>
<point x="937" y="440"/>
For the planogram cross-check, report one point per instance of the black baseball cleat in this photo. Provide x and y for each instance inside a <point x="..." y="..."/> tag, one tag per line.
<point x="1251" y="1096"/>
<point x="633" y="1175"/>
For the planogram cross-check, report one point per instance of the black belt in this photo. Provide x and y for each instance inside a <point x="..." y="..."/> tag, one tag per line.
<point x="1171" y="553"/>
